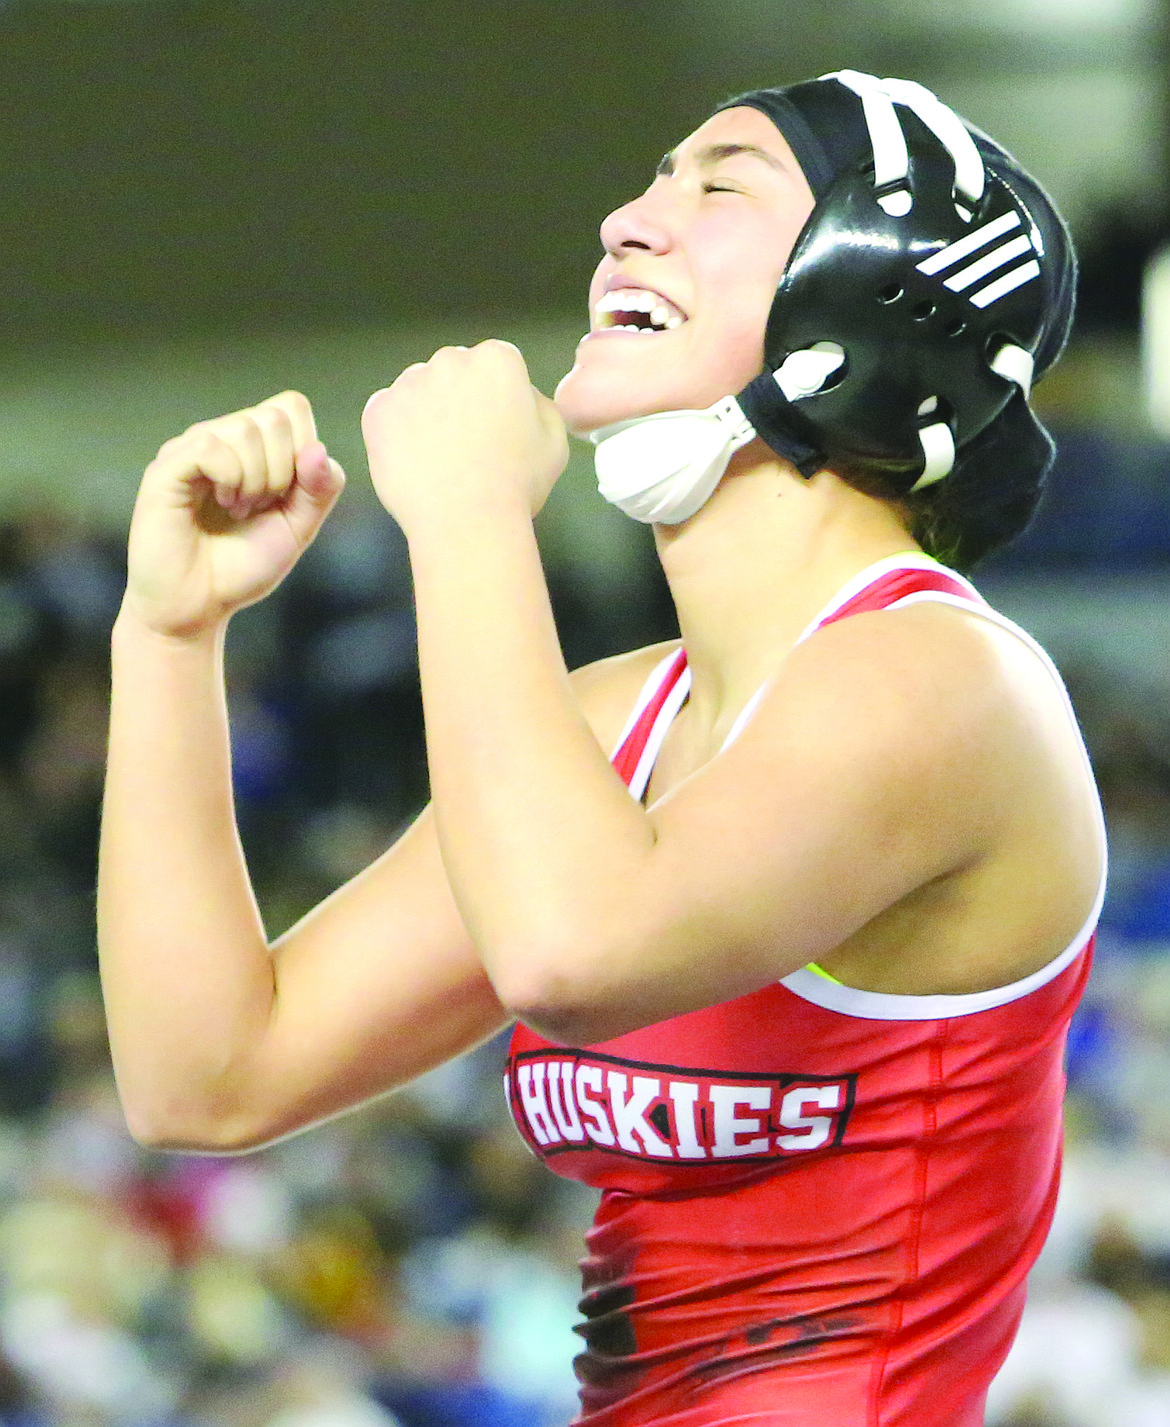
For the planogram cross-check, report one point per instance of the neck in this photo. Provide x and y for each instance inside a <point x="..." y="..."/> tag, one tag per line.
<point x="757" y="564"/>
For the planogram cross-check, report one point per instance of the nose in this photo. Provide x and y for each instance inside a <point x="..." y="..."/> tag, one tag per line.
<point x="642" y="224"/>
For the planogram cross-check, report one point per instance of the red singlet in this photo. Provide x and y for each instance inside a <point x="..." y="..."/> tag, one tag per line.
<point x="818" y="1204"/>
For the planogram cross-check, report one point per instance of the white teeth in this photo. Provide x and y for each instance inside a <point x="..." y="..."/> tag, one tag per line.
<point x="638" y="299"/>
<point x="627" y="299"/>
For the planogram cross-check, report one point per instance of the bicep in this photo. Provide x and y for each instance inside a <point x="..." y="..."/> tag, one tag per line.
<point x="375" y="986"/>
<point x="382" y="982"/>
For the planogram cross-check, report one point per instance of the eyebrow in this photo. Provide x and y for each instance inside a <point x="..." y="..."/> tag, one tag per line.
<point x="715" y="153"/>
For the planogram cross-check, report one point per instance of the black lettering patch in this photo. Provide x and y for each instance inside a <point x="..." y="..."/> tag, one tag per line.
<point x="576" y="1100"/>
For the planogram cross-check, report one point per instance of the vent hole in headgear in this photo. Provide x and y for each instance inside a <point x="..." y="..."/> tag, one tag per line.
<point x="922" y="310"/>
<point x="891" y="292"/>
<point x="956" y="327"/>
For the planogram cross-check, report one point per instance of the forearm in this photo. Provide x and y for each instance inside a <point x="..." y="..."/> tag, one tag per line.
<point x="539" y="836"/>
<point x="185" y="969"/>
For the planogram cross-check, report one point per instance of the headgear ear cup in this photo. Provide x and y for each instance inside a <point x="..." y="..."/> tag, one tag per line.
<point x="933" y="348"/>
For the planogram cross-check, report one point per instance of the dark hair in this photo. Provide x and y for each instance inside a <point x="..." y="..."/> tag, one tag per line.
<point x="991" y="495"/>
<point x="987" y="501"/>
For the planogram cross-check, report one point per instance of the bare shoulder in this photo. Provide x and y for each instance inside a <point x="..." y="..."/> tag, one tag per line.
<point x="940" y="713"/>
<point x="608" y="688"/>
<point x="914" y="780"/>
<point x="958" y="669"/>
<point x="936" y="712"/>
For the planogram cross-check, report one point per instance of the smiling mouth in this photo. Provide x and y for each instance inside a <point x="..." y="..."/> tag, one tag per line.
<point x="636" y="309"/>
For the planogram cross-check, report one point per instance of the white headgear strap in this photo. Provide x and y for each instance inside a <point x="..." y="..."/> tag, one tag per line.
<point x="891" y="159"/>
<point x="661" y="468"/>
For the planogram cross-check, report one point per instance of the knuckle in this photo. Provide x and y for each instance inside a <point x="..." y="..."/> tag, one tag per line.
<point x="293" y="403"/>
<point x="241" y="437"/>
<point x="239" y="421"/>
<point x="204" y="440"/>
<point x="376" y="408"/>
<point x="299" y="401"/>
<point x="270" y="419"/>
<point x="499" y="347"/>
<point x="297" y="410"/>
<point x="214" y="448"/>
<point x="205" y="435"/>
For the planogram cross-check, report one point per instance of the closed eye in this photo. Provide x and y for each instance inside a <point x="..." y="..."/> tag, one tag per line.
<point x="718" y="188"/>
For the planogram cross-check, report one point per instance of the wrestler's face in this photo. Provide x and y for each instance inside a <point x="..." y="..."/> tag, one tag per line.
<point x="699" y="255"/>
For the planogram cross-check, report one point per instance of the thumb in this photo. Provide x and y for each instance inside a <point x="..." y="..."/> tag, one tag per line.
<point x="547" y="409"/>
<point x="317" y="482"/>
<point x="554" y="424"/>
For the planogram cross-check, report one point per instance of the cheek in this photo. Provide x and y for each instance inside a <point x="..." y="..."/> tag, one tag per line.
<point x="734" y="337"/>
<point x="741" y="284"/>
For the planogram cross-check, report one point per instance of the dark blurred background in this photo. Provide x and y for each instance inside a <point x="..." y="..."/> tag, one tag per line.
<point x="204" y="203"/>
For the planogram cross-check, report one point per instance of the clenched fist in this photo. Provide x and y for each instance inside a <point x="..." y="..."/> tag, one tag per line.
<point x="224" y="512"/>
<point x="463" y="434"/>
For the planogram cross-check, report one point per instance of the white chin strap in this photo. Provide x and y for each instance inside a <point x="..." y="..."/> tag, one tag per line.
<point x="661" y="468"/>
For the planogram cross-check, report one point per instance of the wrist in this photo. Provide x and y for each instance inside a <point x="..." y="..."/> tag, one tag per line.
<point x="133" y="627"/>
<point x="471" y="520"/>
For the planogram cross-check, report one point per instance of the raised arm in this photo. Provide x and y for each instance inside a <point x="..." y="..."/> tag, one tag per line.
<point x="219" y="1042"/>
<point x="916" y="754"/>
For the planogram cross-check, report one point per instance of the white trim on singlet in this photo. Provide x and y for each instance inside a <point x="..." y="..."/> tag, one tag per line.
<point x="909" y="560"/>
<point x="886" y="1006"/>
<point x="666" y="715"/>
<point x="808" y="984"/>
<point x="649" y="689"/>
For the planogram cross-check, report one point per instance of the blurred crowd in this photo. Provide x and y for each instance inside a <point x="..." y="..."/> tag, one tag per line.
<point x="412" y="1264"/>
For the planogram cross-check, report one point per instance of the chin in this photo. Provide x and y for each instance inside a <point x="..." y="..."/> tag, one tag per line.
<point x="589" y="399"/>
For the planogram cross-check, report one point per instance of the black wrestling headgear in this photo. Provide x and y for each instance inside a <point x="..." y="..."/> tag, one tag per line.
<point x="932" y="282"/>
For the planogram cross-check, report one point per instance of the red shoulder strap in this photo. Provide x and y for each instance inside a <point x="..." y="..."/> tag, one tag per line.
<point x="896" y="585"/>
<point x="883" y="592"/>
<point x="625" y="760"/>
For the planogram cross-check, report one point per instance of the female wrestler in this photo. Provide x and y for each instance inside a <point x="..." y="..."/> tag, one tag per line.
<point x="797" y="1006"/>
